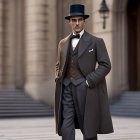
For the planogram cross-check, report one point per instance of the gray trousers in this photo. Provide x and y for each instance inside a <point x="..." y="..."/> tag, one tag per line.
<point x="73" y="101"/>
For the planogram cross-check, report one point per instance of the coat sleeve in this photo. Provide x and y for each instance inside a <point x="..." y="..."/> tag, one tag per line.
<point x="104" y="65"/>
<point x="57" y="66"/>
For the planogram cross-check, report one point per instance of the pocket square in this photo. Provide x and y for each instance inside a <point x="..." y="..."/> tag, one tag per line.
<point x="91" y="50"/>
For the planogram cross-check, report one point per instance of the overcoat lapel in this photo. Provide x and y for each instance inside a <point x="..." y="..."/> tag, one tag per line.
<point x="66" y="46"/>
<point x="83" y="43"/>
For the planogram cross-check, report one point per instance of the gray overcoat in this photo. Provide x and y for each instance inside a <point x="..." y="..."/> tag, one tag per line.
<point x="92" y="50"/>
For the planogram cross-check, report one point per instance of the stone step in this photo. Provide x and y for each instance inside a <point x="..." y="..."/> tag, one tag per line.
<point x="15" y="98"/>
<point x="24" y="108"/>
<point x="16" y="103"/>
<point x="127" y="104"/>
<point x="19" y="102"/>
<point x="125" y="114"/>
<point x="28" y="114"/>
<point x="126" y="110"/>
<point x="24" y="105"/>
<point x="124" y="107"/>
<point x="26" y="111"/>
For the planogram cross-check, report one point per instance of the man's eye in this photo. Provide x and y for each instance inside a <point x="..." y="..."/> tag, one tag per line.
<point x="74" y="20"/>
<point x="80" y="19"/>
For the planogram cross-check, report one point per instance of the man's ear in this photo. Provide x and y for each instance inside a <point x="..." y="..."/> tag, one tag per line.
<point x="84" y="21"/>
<point x="69" y="22"/>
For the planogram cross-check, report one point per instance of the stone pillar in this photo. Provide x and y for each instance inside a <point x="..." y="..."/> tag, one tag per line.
<point x="18" y="40"/>
<point x="119" y="47"/>
<point x="40" y="49"/>
<point x="1" y="40"/>
<point x="138" y="48"/>
<point x="7" y="47"/>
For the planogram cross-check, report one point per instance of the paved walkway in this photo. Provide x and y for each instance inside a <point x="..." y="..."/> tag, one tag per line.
<point x="43" y="129"/>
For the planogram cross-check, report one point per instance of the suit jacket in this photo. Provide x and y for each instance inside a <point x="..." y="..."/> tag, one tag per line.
<point x="92" y="50"/>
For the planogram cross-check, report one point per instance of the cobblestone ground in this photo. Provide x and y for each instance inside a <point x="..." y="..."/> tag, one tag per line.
<point x="43" y="129"/>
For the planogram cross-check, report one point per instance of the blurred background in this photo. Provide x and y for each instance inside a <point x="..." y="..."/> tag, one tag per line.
<point x="30" y="31"/>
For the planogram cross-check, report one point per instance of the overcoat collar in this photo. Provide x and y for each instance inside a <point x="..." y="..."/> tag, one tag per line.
<point x="83" y="44"/>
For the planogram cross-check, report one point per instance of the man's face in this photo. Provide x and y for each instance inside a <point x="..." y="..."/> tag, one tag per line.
<point x="77" y="24"/>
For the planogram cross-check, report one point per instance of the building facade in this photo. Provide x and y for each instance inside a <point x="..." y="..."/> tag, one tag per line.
<point x="31" y="29"/>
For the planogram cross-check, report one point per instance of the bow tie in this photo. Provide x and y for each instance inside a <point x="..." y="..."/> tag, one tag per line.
<point x="75" y="36"/>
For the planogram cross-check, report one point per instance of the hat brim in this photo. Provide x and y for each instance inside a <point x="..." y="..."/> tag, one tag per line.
<point x="84" y="16"/>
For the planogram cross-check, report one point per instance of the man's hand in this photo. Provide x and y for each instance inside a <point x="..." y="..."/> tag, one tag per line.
<point x="56" y="79"/>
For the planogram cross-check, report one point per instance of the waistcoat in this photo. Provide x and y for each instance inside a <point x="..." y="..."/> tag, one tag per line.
<point x="73" y="71"/>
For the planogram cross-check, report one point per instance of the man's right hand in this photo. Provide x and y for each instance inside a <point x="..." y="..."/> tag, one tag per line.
<point x="56" y="79"/>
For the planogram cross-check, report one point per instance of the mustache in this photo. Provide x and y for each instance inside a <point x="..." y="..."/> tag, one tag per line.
<point x="77" y="26"/>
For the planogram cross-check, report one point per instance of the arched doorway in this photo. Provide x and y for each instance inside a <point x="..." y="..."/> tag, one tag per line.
<point x="133" y="20"/>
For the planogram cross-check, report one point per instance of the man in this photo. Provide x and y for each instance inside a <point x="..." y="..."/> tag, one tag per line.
<point x="81" y="99"/>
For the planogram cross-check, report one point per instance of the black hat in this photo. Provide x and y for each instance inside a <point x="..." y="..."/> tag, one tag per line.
<point x="77" y="10"/>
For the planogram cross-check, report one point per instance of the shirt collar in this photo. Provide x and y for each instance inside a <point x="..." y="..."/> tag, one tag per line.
<point x="81" y="33"/>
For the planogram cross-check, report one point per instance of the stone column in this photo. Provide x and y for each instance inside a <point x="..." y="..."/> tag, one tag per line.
<point x="40" y="48"/>
<point x="7" y="47"/>
<point x="18" y="39"/>
<point x="138" y="48"/>
<point x="1" y="39"/>
<point x="119" y="47"/>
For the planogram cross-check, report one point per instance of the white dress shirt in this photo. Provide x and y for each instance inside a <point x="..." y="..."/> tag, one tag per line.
<point x="76" y="40"/>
